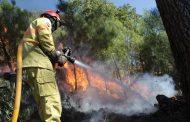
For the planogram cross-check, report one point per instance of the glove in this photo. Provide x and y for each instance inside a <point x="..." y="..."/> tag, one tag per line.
<point x="57" y="57"/>
<point x="61" y="60"/>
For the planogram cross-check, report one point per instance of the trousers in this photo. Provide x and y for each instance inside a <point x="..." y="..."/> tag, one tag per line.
<point x="45" y="92"/>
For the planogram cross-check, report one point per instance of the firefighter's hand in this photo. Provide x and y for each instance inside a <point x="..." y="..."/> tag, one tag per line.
<point x="62" y="60"/>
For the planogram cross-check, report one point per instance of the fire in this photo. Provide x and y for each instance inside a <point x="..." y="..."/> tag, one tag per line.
<point x="80" y="79"/>
<point x="5" y="29"/>
<point x="70" y="78"/>
<point x="76" y="78"/>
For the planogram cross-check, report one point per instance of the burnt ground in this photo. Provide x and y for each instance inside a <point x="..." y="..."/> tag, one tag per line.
<point x="169" y="110"/>
<point x="159" y="116"/>
<point x="164" y="115"/>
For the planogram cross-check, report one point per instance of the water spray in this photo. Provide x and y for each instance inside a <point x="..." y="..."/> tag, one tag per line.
<point x="119" y="82"/>
<point x="67" y="53"/>
<point x="83" y="65"/>
<point x="133" y="101"/>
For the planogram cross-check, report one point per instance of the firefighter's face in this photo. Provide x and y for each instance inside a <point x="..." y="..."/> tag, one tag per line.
<point x="55" y="23"/>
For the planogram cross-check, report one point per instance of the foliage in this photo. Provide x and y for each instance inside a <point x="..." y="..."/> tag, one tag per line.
<point x="6" y="100"/>
<point x="7" y="93"/>
<point x="133" y="39"/>
<point x="99" y="30"/>
<point x="13" y="21"/>
<point x="103" y="31"/>
<point x="155" y="52"/>
<point x="90" y="23"/>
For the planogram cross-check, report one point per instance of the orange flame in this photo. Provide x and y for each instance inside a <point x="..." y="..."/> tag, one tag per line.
<point x="76" y="78"/>
<point x="5" y="29"/>
<point x="79" y="79"/>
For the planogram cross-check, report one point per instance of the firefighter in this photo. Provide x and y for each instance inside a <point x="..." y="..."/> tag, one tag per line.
<point x="38" y="61"/>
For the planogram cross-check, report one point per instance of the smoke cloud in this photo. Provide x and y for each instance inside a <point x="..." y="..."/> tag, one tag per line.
<point x="134" y="95"/>
<point x="138" y="97"/>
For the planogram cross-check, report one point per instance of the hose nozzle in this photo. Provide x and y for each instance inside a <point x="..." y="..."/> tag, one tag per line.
<point x="67" y="53"/>
<point x="70" y="59"/>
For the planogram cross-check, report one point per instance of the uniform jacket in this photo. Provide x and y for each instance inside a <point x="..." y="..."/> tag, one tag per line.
<point x="33" y="56"/>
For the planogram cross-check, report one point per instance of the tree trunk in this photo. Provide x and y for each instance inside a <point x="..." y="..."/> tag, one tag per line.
<point x="176" y="19"/>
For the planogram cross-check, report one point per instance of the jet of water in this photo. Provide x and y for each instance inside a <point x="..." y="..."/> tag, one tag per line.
<point x="103" y="74"/>
<point x="83" y="65"/>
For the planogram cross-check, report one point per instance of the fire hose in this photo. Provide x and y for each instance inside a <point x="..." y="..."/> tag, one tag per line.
<point x="19" y="79"/>
<point x="19" y="75"/>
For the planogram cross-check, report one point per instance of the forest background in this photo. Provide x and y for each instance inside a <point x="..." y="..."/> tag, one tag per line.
<point x="98" y="32"/>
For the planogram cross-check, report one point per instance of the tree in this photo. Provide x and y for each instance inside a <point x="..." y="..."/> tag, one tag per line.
<point x="100" y="30"/>
<point x="155" y="54"/>
<point x="133" y="38"/>
<point x="176" y="17"/>
<point x="91" y="25"/>
<point x="13" y="22"/>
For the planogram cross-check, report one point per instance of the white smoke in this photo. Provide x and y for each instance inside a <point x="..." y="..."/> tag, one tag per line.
<point x="97" y="117"/>
<point x="139" y="96"/>
<point x="156" y="85"/>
